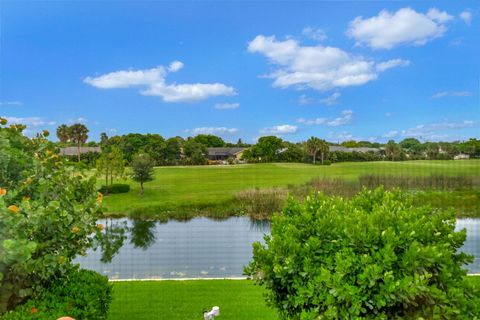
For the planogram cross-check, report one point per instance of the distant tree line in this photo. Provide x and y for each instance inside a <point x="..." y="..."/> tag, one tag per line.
<point x="193" y="150"/>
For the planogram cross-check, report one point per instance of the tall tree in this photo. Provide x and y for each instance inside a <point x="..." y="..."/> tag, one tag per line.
<point x="63" y="133"/>
<point x="315" y="145"/>
<point x="209" y="140"/>
<point x="78" y="135"/>
<point x="392" y="150"/>
<point x="142" y="166"/>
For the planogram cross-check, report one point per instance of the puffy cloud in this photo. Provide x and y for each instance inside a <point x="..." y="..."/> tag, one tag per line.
<point x="225" y="106"/>
<point x="406" y="26"/>
<point x="317" y="67"/>
<point x="442" y="94"/>
<point x="175" y="66"/>
<point x="30" y="121"/>
<point x="219" y="131"/>
<point x="330" y="100"/>
<point x="346" y="117"/>
<point x="280" y="129"/>
<point x="128" y="78"/>
<point x="466" y="16"/>
<point x="314" y="33"/>
<point x="153" y="80"/>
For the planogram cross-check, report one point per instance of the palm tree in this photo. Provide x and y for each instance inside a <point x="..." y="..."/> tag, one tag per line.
<point x="63" y="133"/>
<point x="78" y="135"/>
<point x="315" y="145"/>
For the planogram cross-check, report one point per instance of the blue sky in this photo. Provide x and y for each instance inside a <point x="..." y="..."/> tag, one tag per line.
<point x="338" y="70"/>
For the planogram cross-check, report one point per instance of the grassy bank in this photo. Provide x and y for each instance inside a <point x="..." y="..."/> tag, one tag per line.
<point x="186" y="300"/>
<point x="183" y="192"/>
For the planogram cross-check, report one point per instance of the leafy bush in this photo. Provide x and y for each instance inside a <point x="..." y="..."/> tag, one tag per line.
<point x="373" y="257"/>
<point x="81" y="294"/>
<point x="115" y="188"/>
<point x="48" y="213"/>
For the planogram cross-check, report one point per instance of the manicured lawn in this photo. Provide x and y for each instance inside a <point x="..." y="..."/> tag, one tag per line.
<point x="237" y="299"/>
<point x="186" y="300"/>
<point x="201" y="186"/>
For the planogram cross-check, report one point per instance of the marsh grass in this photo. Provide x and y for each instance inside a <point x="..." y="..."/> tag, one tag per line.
<point x="458" y="192"/>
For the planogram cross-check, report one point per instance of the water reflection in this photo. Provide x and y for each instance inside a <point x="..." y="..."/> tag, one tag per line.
<point x="111" y="239"/>
<point x="200" y="247"/>
<point x="142" y="234"/>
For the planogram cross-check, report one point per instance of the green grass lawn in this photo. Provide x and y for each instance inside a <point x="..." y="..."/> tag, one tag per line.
<point x="207" y="186"/>
<point x="186" y="300"/>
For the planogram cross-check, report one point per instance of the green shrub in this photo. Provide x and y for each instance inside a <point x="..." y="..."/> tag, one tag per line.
<point x="81" y="294"/>
<point x="327" y="162"/>
<point x="48" y="215"/>
<point x="375" y="256"/>
<point x="115" y="188"/>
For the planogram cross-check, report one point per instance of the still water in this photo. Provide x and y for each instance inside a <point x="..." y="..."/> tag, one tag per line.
<point x="198" y="248"/>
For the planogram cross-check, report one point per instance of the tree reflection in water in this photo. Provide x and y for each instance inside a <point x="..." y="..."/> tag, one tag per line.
<point x="142" y="234"/>
<point x="111" y="239"/>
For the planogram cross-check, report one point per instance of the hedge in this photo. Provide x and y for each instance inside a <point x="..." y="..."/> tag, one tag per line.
<point x="81" y="294"/>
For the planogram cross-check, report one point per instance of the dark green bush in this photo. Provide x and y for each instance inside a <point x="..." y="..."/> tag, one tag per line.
<point x="81" y="294"/>
<point x="373" y="257"/>
<point x="115" y="188"/>
<point x="327" y="162"/>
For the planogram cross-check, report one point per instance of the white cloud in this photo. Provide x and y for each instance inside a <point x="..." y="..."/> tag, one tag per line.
<point x="128" y="78"/>
<point x="317" y="67"/>
<point x="175" y="66"/>
<point x="330" y="100"/>
<point x="314" y="33"/>
<point x="153" y="80"/>
<point x="213" y="130"/>
<point x="30" y="121"/>
<point x="346" y="117"/>
<point x="431" y="130"/>
<point x="226" y="106"/>
<point x="442" y="94"/>
<point x="406" y="26"/>
<point x="280" y="129"/>
<point x="466" y="16"/>
<point x="382" y="66"/>
<point x="10" y="103"/>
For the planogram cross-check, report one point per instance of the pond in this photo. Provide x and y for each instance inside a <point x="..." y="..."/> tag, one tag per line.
<point x="198" y="248"/>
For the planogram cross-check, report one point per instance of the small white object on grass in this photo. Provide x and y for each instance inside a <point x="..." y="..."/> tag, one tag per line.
<point x="212" y="313"/>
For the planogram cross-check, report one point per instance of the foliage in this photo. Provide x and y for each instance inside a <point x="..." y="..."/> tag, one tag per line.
<point x="373" y="257"/>
<point x="142" y="167"/>
<point x="82" y="294"/>
<point x="209" y="140"/>
<point x="115" y="188"/>
<point x="78" y="134"/>
<point x="392" y="150"/>
<point x="315" y="145"/>
<point x="63" y="133"/>
<point x="111" y="164"/>
<point x="195" y="152"/>
<point x="47" y="214"/>
<point x="267" y="149"/>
